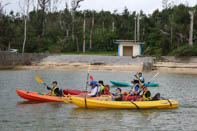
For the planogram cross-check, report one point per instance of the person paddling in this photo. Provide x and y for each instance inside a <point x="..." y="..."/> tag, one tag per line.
<point x="55" y="91"/>
<point x="146" y="95"/>
<point x="94" y="89"/>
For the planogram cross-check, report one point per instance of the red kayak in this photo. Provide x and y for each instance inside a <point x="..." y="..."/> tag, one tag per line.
<point x="35" y="96"/>
<point x="77" y="92"/>
<point x="73" y="92"/>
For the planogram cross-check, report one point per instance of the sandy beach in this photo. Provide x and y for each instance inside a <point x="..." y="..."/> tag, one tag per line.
<point x="111" y="63"/>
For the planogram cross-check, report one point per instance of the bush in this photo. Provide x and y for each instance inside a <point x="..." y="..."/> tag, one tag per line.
<point x="185" y="50"/>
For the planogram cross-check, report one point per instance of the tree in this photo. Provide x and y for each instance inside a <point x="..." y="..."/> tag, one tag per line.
<point x="84" y="33"/>
<point x="191" y="12"/>
<point x="75" y="5"/>
<point x="2" y="6"/>
<point x="43" y="4"/>
<point x="167" y="4"/>
<point x="113" y="20"/>
<point x="25" y="12"/>
<point x="92" y="29"/>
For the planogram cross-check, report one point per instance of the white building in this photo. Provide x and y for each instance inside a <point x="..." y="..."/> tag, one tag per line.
<point x="129" y="48"/>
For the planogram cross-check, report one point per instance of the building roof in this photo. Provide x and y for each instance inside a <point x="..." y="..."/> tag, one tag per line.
<point x="128" y="42"/>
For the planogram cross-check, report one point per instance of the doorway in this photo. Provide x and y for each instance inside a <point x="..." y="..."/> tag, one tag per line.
<point x="127" y="50"/>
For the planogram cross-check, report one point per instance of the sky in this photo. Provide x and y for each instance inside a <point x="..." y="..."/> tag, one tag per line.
<point x="148" y="6"/>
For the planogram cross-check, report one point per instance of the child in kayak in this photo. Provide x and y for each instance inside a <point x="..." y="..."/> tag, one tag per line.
<point x="55" y="91"/>
<point x="117" y="96"/>
<point x="101" y="87"/>
<point x="106" y="90"/>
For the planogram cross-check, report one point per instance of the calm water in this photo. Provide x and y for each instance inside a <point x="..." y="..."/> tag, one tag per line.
<point x="18" y="115"/>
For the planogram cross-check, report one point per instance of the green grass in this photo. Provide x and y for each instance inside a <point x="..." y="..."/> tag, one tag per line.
<point x="109" y="53"/>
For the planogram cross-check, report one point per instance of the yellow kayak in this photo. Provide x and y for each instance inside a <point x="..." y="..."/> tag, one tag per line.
<point x="92" y="103"/>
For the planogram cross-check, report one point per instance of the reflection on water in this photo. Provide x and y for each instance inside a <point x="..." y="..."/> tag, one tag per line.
<point x="29" y="102"/>
<point x="20" y="115"/>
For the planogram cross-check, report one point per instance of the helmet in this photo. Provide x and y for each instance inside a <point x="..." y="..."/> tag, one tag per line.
<point x="93" y="82"/>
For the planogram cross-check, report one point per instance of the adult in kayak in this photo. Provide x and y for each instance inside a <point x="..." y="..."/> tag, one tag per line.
<point x="55" y="90"/>
<point x="134" y="89"/>
<point x="134" y="92"/>
<point x="141" y="78"/>
<point x="146" y="95"/>
<point x="94" y="89"/>
<point x="94" y="92"/>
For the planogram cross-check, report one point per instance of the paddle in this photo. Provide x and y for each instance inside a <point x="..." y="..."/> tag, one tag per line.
<point x="167" y="100"/>
<point x="91" y="78"/>
<point x="40" y="81"/>
<point x="154" y="77"/>
<point x="87" y="85"/>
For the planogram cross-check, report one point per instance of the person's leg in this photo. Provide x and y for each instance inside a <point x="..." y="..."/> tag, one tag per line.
<point x="156" y="97"/>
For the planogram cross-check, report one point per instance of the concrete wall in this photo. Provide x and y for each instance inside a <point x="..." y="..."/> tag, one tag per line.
<point x="11" y="59"/>
<point x="182" y="59"/>
<point x="136" y="49"/>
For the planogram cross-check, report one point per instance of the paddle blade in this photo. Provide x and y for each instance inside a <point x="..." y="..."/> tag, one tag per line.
<point x="91" y="78"/>
<point x="88" y="68"/>
<point x="38" y="79"/>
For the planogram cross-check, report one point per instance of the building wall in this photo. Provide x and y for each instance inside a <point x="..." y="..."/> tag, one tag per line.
<point x="136" y="49"/>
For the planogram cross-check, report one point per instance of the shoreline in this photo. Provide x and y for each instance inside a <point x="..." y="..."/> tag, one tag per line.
<point x="167" y="67"/>
<point x="80" y="66"/>
<point x="178" y="65"/>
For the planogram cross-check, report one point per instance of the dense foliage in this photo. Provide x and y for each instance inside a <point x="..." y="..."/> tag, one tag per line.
<point x="165" y="32"/>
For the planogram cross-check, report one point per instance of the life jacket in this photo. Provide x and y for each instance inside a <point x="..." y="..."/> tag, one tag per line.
<point x="97" y="92"/>
<point x="144" y="97"/>
<point x="136" y="87"/>
<point x="53" y="91"/>
<point x="119" y="99"/>
<point x="102" y="87"/>
<point x="106" y="91"/>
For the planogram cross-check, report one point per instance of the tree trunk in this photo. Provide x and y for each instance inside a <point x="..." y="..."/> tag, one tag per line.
<point x="138" y="28"/>
<point x="135" y="34"/>
<point x="91" y="32"/>
<point x="84" y="34"/>
<point x="171" y="34"/>
<point x="25" y="26"/>
<point x="73" y="26"/>
<point x="77" y="43"/>
<point x="9" y="45"/>
<point x="113" y="25"/>
<point x="25" y="34"/>
<point x="67" y="32"/>
<point x="103" y="25"/>
<point x="191" y="27"/>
